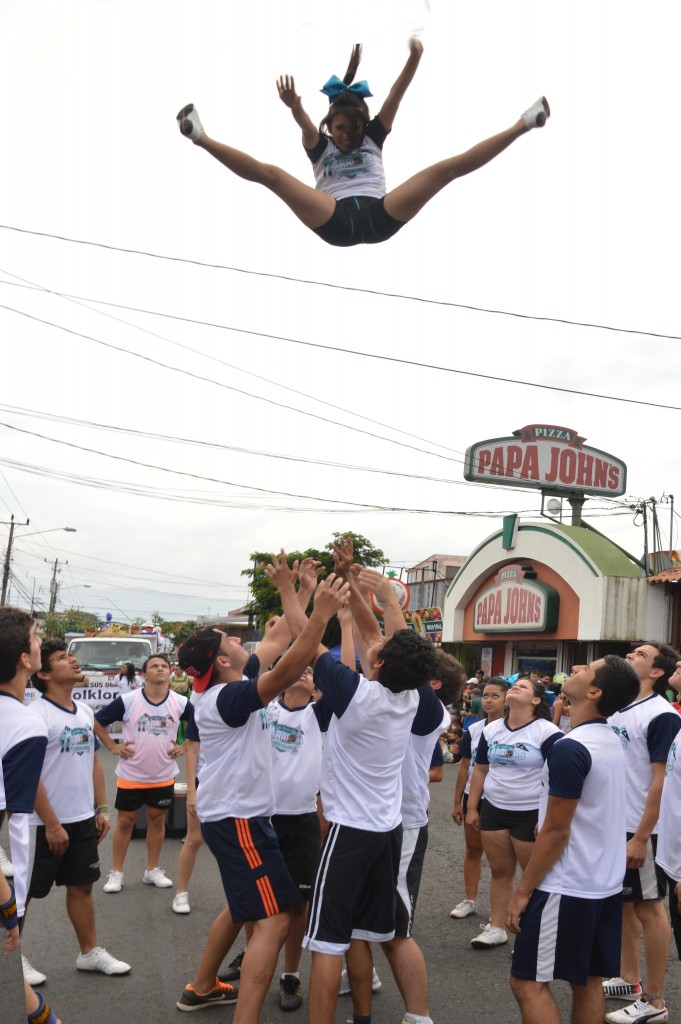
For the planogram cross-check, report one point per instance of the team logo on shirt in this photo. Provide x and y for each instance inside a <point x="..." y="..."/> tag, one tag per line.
<point x="287" y="739"/>
<point x="622" y="735"/>
<point x="265" y="719"/>
<point x="506" y="753"/>
<point x="671" y="758"/>
<point x="347" y="165"/>
<point x="76" y="741"/>
<point x="156" y="725"/>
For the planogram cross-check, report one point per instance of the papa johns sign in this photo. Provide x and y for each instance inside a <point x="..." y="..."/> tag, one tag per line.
<point x="545" y="457"/>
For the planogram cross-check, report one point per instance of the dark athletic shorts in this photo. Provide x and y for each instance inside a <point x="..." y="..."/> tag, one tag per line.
<point x="568" y="938"/>
<point x="78" y="866"/>
<point x="299" y="838"/>
<point x="648" y="882"/>
<point x="355" y="889"/>
<point x="414" y="844"/>
<point x="464" y="804"/>
<point x="358" y="220"/>
<point x="254" y="875"/>
<point x="133" y="799"/>
<point x="520" y="824"/>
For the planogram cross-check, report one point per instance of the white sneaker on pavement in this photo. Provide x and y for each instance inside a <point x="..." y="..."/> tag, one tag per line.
<point x="344" y="989"/>
<point x="538" y="114"/>
<point x="618" y="988"/>
<point x="639" y="1012"/>
<point x="464" y="909"/>
<point x="6" y="864"/>
<point x="99" y="960"/>
<point x="32" y="976"/>
<point x="181" y="903"/>
<point x="157" y="877"/>
<point x="114" y="882"/>
<point x="489" y="936"/>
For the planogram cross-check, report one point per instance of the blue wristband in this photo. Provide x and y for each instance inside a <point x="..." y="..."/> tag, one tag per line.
<point x="8" y="912"/>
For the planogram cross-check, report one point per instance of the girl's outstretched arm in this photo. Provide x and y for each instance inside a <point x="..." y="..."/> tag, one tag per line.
<point x="403" y="81"/>
<point x="288" y="96"/>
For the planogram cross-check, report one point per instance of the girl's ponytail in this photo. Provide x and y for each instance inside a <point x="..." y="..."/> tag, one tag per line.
<point x="355" y="58"/>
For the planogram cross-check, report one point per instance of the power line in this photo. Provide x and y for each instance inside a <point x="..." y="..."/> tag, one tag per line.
<point x="342" y="287"/>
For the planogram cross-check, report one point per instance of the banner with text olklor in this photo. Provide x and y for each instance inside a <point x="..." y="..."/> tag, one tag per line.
<point x="548" y="458"/>
<point x="95" y="693"/>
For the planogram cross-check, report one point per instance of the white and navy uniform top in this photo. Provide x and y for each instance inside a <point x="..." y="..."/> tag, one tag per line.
<point x="668" y="854"/>
<point x="646" y="730"/>
<point x="251" y="671"/>
<point x="297" y="745"/>
<point x="151" y="729"/>
<point x="361" y="782"/>
<point x="69" y="759"/>
<point x="23" y="739"/>
<point x="419" y="757"/>
<point x="516" y="760"/>
<point x="359" y="173"/>
<point x="468" y="748"/>
<point x="588" y="765"/>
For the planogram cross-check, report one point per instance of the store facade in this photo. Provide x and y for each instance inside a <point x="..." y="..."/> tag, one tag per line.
<point x="547" y="595"/>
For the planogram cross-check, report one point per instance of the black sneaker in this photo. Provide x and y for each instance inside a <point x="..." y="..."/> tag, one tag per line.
<point x="290" y="993"/>
<point x="233" y="972"/>
<point x="191" y="1000"/>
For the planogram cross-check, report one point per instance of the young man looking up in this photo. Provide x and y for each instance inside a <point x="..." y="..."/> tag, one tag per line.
<point x="235" y="801"/>
<point x="646" y="729"/>
<point x="567" y="909"/>
<point x="147" y="764"/>
<point x="71" y="812"/>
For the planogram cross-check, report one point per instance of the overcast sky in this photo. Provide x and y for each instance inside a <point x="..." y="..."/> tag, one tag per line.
<point x="578" y="222"/>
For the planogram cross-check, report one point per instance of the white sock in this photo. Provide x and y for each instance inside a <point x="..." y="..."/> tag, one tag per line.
<point x="291" y="974"/>
<point x="415" y="1018"/>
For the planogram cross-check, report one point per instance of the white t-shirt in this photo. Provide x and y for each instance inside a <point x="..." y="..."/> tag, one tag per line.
<point x="69" y="760"/>
<point x="236" y="780"/>
<point x="516" y="759"/>
<point x="646" y="730"/>
<point x="23" y="738"/>
<point x="669" y="825"/>
<point x="431" y="718"/>
<point x="359" y="173"/>
<point x="588" y="766"/>
<point x="361" y="783"/>
<point x="297" y="745"/>
<point x="468" y="748"/>
<point x="151" y="729"/>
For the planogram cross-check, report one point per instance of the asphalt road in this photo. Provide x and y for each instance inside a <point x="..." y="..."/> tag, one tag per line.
<point x="139" y="926"/>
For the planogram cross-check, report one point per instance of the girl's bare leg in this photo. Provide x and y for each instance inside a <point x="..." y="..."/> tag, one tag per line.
<point x="310" y="206"/>
<point x="405" y="201"/>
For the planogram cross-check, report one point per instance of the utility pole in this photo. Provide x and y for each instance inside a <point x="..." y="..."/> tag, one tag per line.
<point x="54" y="584"/>
<point x="8" y="557"/>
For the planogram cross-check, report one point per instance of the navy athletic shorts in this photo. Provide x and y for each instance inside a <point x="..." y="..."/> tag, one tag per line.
<point x="254" y="875"/>
<point x="359" y="220"/>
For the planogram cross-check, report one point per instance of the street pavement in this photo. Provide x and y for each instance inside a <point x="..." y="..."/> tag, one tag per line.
<point x="139" y="926"/>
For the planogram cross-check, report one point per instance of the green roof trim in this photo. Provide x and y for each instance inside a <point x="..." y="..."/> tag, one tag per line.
<point x="593" y="549"/>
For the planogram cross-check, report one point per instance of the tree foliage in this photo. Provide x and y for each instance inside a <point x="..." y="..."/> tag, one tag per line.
<point x="266" y="601"/>
<point x="56" y="624"/>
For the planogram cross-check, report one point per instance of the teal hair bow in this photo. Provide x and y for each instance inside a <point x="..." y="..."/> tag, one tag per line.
<point x="336" y="87"/>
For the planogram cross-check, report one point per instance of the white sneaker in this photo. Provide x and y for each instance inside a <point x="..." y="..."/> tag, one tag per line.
<point x="114" y="882"/>
<point x="618" y="988"/>
<point x="464" y="909"/>
<point x="6" y="864"/>
<point x="489" y="936"/>
<point x="538" y="114"/>
<point x="181" y="903"/>
<point x="99" y="960"/>
<point x="344" y="990"/>
<point x="157" y="877"/>
<point x="640" y="1012"/>
<point x="32" y="976"/>
<point x="189" y="122"/>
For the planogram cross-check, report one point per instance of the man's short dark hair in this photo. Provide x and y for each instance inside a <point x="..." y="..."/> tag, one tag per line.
<point x="451" y="674"/>
<point x="153" y="657"/>
<point x="619" y="684"/>
<point x="666" y="659"/>
<point x="409" y="661"/>
<point x="48" y="648"/>
<point x="15" y="640"/>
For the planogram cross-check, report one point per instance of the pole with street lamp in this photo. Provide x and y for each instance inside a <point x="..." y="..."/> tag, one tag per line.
<point x="8" y="554"/>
